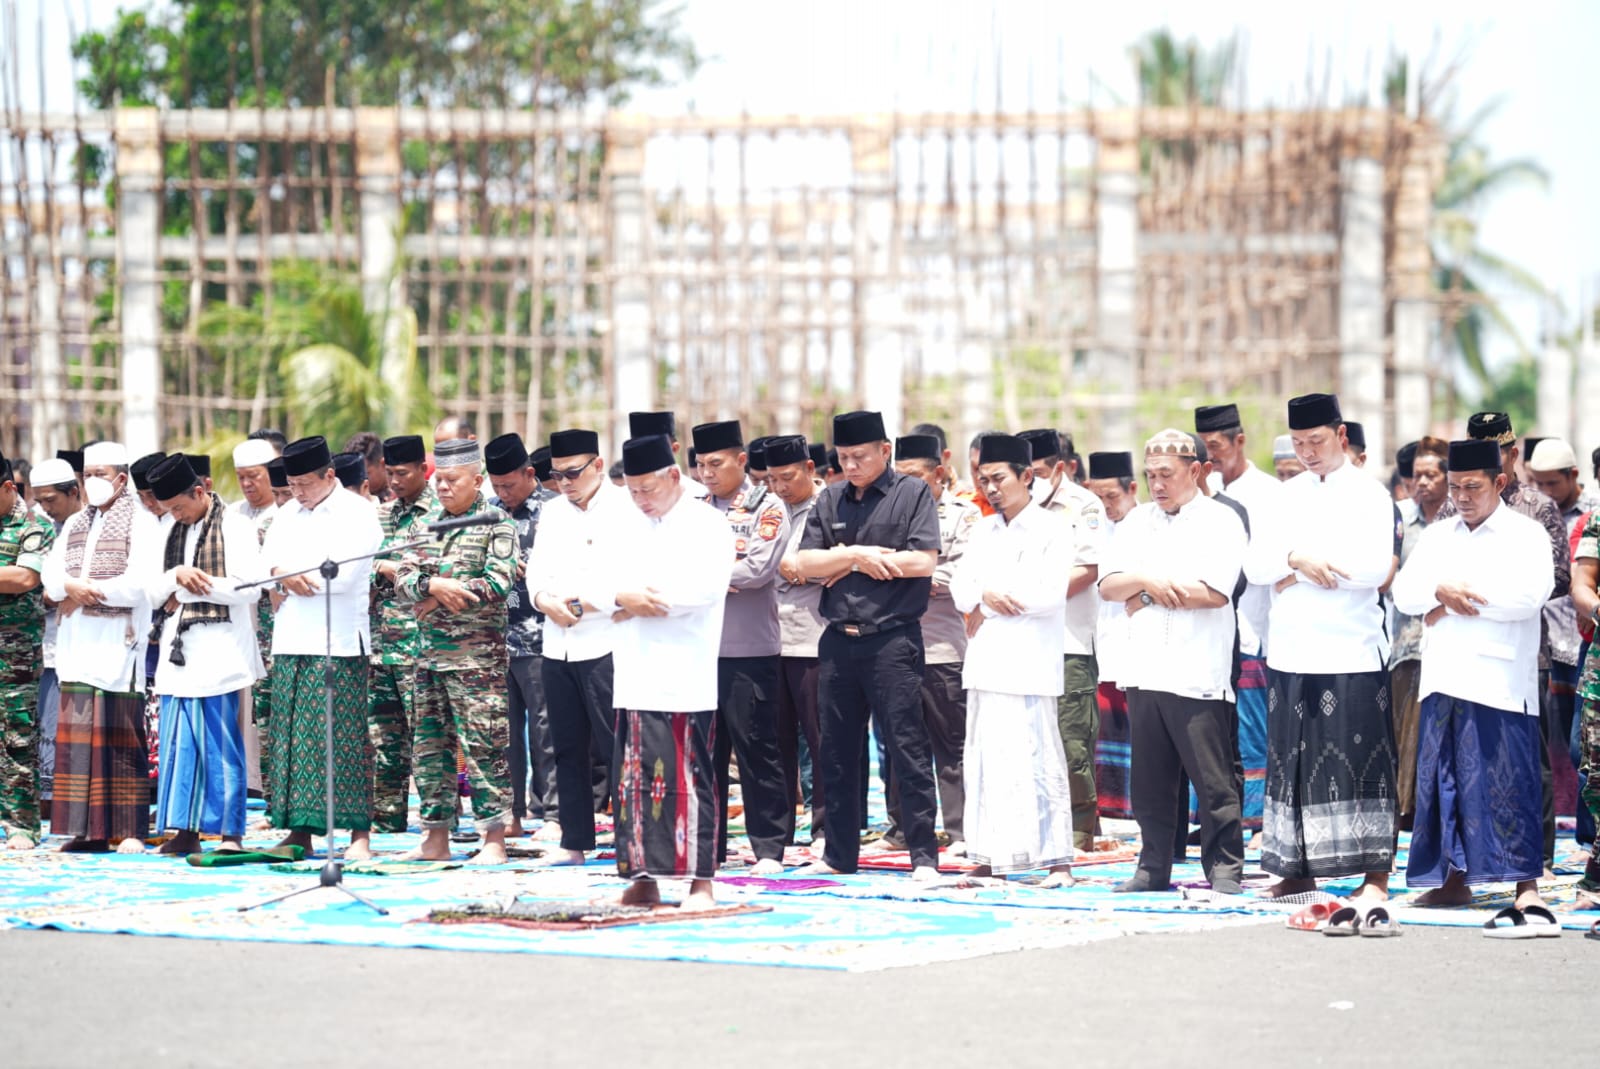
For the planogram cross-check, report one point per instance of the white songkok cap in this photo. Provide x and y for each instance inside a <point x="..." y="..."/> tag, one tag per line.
<point x="1282" y="447"/>
<point x="1552" y="454"/>
<point x="253" y="453"/>
<point x="106" y="454"/>
<point x="53" y="472"/>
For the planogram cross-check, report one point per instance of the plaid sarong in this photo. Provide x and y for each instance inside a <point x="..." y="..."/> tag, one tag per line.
<point x="110" y="549"/>
<point x="102" y="789"/>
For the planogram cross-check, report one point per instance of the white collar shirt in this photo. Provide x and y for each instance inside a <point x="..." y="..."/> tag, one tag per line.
<point x="1031" y="560"/>
<point x="668" y="663"/>
<point x="1087" y="514"/>
<point x="342" y="526"/>
<point x="1187" y="652"/>
<point x="218" y="658"/>
<point x="1348" y="519"/>
<point x="1111" y="627"/>
<point x="1491" y="658"/>
<point x="107" y="652"/>
<point x="576" y="555"/>
<point x="1259" y="493"/>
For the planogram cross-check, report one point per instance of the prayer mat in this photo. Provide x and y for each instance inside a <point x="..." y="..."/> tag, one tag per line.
<point x="220" y="859"/>
<point x="581" y="917"/>
<point x="376" y="867"/>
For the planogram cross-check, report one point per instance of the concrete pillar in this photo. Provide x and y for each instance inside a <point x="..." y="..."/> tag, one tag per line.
<point x="1414" y="317"/>
<point x="1116" y="356"/>
<point x="977" y="371"/>
<point x="377" y="166"/>
<point x="1361" y="384"/>
<point x="878" y="307"/>
<point x="1555" y="388"/>
<point x="633" y="369"/>
<point x="47" y="431"/>
<point x="138" y="230"/>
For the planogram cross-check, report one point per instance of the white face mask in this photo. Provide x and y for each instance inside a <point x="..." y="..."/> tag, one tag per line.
<point x="98" y="490"/>
<point x="1040" y="489"/>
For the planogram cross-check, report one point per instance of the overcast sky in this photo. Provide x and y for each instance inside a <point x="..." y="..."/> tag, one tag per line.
<point x="862" y="55"/>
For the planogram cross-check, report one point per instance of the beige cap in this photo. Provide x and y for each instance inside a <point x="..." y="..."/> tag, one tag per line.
<point x="1552" y="454"/>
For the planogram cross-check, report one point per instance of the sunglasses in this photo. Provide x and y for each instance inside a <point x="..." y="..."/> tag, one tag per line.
<point x="570" y="475"/>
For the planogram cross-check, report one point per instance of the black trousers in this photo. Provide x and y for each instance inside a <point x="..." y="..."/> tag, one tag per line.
<point x="797" y="715"/>
<point x="582" y="720"/>
<point x="877" y="676"/>
<point x="1173" y="737"/>
<point x="747" y="725"/>
<point x="944" y="711"/>
<point x="530" y="737"/>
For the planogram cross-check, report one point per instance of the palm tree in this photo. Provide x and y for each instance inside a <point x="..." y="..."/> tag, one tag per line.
<point x="1174" y="75"/>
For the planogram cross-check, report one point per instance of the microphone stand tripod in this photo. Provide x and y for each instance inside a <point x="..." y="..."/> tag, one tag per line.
<point x="332" y="874"/>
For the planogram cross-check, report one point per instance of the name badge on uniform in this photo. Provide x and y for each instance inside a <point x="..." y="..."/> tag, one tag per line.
<point x="837" y="526"/>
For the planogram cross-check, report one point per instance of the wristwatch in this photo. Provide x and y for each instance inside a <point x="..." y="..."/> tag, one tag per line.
<point x="1145" y="598"/>
<point x="423" y="584"/>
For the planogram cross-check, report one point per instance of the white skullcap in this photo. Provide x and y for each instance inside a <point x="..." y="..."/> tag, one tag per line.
<point x="53" y="472"/>
<point x="253" y="453"/>
<point x="1552" y="454"/>
<point x="106" y="454"/>
<point x="1282" y="447"/>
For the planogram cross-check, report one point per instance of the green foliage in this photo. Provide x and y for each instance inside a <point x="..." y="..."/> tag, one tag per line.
<point x="1178" y="75"/>
<point x="1516" y="391"/>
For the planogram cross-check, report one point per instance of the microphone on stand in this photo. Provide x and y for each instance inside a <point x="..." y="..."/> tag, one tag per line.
<point x="457" y="522"/>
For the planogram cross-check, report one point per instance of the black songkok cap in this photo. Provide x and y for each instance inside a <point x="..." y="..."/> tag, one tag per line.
<point x="647" y="455"/>
<point x="693" y="457"/>
<point x="351" y="468"/>
<point x="172" y="477"/>
<point x="1045" y="443"/>
<point x="1490" y="426"/>
<point x="1314" y="410"/>
<point x="1475" y="454"/>
<point x="833" y="462"/>
<point x="918" y="447"/>
<point x="308" y="456"/>
<point x="1005" y="449"/>
<point x="644" y="424"/>
<point x="714" y="437"/>
<point x="757" y="451"/>
<point x="201" y="463"/>
<point x="505" y="454"/>
<point x="786" y="449"/>
<point x="574" y="443"/>
<point x="73" y="457"/>
<point x="1356" y="434"/>
<point x="858" y="428"/>
<point x="1405" y="459"/>
<point x="139" y="470"/>
<point x="540" y="459"/>
<point x="1208" y="418"/>
<point x="1529" y="444"/>
<point x="404" y="449"/>
<point x="818" y="452"/>
<point x="1112" y="465"/>
<point x="277" y="474"/>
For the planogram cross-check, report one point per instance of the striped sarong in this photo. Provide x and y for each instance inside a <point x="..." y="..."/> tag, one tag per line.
<point x="102" y="781"/>
<point x="202" y="784"/>
<point x="1113" y="754"/>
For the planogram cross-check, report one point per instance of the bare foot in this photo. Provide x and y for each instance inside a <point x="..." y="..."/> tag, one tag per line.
<point x="435" y="846"/>
<point x="515" y="830"/>
<point x="20" y="842"/>
<point x="493" y="851"/>
<point x="982" y="872"/>
<point x="767" y="867"/>
<point x="185" y="842"/>
<point x="562" y="858"/>
<point x="130" y="845"/>
<point x="358" y="850"/>
<point x="700" y="898"/>
<point x="924" y="874"/>
<point x="301" y="839"/>
<point x="84" y="846"/>
<point x="1373" y="890"/>
<point x="1285" y="888"/>
<point x="817" y="868"/>
<point x="643" y="892"/>
<point x="230" y="844"/>
<point x="1060" y="876"/>
<point x="1453" y="892"/>
<point x="549" y="833"/>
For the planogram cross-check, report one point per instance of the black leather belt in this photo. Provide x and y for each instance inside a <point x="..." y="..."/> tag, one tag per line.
<point x="863" y="630"/>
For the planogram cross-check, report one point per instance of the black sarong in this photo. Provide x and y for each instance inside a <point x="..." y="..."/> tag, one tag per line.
<point x="666" y="816"/>
<point x="1330" y="805"/>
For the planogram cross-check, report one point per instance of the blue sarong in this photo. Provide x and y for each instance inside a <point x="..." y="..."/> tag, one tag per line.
<point x="1479" y="799"/>
<point x="202" y="785"/>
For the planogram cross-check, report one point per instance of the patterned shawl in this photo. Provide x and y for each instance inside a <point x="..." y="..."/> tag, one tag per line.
<point x="110" y="549"/>
<point x="208" y="558"/>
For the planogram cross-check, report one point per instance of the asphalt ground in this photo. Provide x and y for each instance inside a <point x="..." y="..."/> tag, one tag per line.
<point x="1253" y="996"/>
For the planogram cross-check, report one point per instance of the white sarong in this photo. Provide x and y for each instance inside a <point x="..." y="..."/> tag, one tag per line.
<point x="1018" y="814"/>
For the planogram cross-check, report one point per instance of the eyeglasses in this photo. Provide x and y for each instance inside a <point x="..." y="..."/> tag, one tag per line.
<point x="570" y="475"/>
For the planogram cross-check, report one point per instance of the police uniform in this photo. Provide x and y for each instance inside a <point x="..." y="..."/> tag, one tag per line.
<point x="396" y="643"/>
<point x="24" y="541"/>
<point x="460" y="673"/>
<point x="871" y="656"/>
<point x="747" y="663"/>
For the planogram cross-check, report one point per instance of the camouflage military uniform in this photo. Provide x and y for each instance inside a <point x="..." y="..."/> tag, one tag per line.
<point x="261" y="693"/>
<point x="24" y="540"/>
<point x="1589" y="728"/>
<point x="461" y="671"/>
<point x="395" y="645"/>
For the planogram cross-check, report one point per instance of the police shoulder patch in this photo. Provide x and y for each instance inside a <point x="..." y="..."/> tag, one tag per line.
<point x="767" y="528"/>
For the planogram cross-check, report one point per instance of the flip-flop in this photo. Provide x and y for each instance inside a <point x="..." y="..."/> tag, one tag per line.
<point x="1314" y="918"/>
<point x="1344" y="921"/>
<point x="1509" y="923"/>
<point x="1593" y="932"/>
<point x="1378" y="924"/>
<point x="1542" y="921"/>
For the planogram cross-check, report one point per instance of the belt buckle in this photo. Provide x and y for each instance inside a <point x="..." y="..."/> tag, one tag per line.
<point x="853" y="630"/>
